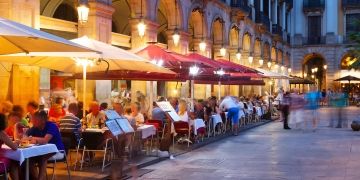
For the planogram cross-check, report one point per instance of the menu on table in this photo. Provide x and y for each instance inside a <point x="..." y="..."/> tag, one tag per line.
<point x="124" y="125"/>
<point x="114" y="128"/>
<point x="166" y="107"/>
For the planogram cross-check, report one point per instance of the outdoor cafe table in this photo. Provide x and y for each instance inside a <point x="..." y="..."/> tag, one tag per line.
<point x="197" y="124"/>
<point x="147" y="130"/>
<point x="23" y="154"/>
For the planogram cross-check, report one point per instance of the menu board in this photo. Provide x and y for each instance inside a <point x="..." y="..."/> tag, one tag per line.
<point x="114" y="128"/>
<point x="112" y="114"/>
<point x="167" y="108"/>
<point x="124" y="125"/>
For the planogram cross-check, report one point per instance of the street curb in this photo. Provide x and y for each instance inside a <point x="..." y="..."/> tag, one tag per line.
<point x="197" y="146"/>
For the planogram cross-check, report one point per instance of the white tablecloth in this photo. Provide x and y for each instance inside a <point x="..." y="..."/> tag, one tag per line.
<point x="216" y="118"/>
<point x="22" y="153"/>
<point x="147" y="130"/>
<point x="197" y="124"/>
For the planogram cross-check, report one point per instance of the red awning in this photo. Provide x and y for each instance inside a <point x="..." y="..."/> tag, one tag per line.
<point x="170" y="59"/>
<point x="233" y="82"/>
<point x="237" y="67"/>
<point x="131" y="75"/>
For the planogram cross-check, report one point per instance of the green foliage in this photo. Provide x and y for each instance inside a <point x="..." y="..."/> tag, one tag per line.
<point x="354" y="48"/>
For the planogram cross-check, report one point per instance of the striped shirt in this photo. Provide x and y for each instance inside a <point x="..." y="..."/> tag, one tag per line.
<point x="70" y="123"/>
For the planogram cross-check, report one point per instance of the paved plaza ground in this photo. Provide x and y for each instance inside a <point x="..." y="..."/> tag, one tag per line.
<point x="269" y="152"/>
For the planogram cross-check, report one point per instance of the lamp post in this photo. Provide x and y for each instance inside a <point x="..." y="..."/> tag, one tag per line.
<point x="220" y="73"/>
<point x="84" y="63"/>
<point x="193" y="71"/>
<point x="83" y="11"/>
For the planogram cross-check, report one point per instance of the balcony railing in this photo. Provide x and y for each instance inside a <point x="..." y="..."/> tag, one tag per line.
<point x="277" y="29"/>
<point x="313" y="5"/>
<point x="314" y="40"/>
<point x="261" y="18"/>
<point x="348" y="4"/>
<point x="241" y="4"/>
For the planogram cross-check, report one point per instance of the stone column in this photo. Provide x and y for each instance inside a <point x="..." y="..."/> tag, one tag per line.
<point x="98" y="27"/>
<point x="275" y="12"/>
<point x="262" y="5"/>
<point x="20" y="83"/>
<point x="331" y="10"/>
<point x="283" y="16"/>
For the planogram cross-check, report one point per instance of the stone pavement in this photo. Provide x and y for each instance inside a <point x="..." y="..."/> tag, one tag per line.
<point x="269" y="152"/>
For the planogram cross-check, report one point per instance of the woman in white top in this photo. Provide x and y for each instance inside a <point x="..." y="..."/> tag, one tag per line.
<point x="135" y="113"/>
<point x="183" y="111"/>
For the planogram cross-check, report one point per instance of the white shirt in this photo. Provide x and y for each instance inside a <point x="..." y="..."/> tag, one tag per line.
<point x="227" y="103"/>
<point x="93" y="121"/>
<point x="184" y="117"/>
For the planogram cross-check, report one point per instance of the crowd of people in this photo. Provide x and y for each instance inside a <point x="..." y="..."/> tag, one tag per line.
<point x="298" y="108"/>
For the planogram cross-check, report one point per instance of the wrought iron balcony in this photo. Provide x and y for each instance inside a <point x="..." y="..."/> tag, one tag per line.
<point x="314" y="40"/>
<point x="350" y="4"/>
<point x="313" y="5"/>
<point x="261" y="18"/>
<point x="277" y="29"/>
<point x="240" y="4"/>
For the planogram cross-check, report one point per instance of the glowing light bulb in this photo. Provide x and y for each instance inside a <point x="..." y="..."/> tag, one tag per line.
<point x="176" y="37"/>
<point x="141" y="28"/>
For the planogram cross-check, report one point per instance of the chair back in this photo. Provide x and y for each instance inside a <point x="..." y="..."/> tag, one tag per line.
<point x="157" y="123"/>
<point x="181" y="127"/>
<point x="66" y="141"/>
<point x="93" y="140"/>
<point x="70" y="136"/>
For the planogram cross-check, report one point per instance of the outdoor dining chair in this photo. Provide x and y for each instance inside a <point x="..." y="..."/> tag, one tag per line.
<point x="52" y="161"/>
<point x="183" y="129"/>
<point x="95" y="142"/>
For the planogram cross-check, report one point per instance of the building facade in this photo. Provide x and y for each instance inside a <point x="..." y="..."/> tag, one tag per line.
<point x="320" y="39"/>
<point x="259" y="29"/>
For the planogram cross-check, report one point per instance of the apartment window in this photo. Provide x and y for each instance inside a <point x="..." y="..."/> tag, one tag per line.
<point x="351" y="25"/>
<point x="314" y="29"/>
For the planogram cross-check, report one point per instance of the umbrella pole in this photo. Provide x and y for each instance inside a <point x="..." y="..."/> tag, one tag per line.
<point x="219" y="91"/>
<point x="192" y="95"/>
<point x="84" y="89"/>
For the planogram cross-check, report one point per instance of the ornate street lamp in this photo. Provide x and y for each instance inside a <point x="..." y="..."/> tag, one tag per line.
<point x="83" y="11"/>
<point x="194" y="70"/>
<point x="141" y="26"/>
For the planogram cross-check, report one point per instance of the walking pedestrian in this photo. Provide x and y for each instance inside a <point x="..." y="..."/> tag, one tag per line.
<point x="312" y="105"/>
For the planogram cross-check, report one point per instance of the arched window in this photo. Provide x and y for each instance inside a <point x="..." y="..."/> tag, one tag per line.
<point x="66" y="12"/>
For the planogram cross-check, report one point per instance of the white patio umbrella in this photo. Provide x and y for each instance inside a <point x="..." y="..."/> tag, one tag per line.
<point x="18" y="38"/>
<point x="108" y="58"/>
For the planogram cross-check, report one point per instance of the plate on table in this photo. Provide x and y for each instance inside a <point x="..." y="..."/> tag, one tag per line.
<point x="25" y="145"/>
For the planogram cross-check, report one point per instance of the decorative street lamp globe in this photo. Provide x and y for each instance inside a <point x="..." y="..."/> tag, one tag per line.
<point x="194" y="70"/>
<point x="219" y="72"/>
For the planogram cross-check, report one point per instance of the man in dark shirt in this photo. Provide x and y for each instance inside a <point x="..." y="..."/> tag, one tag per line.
<point x="70" y="123"/>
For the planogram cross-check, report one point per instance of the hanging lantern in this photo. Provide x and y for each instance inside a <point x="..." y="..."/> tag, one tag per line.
<point x="83" y="12"/>
<point x="251" y="59"/>
<point x="238" y="55"/>
<point x="261" y="62"/>
<point x="202" y="46"/>
<point x="269" y="64"/>
<point x="141" y="28"/>
<point x="222" y="51"/>
<point x="176" y="37"/>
